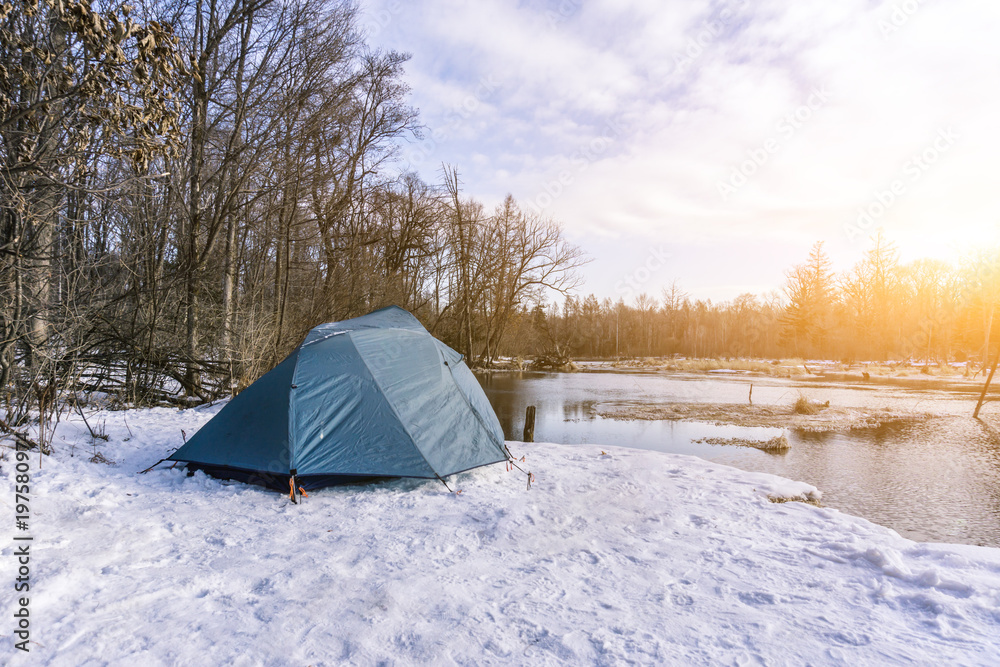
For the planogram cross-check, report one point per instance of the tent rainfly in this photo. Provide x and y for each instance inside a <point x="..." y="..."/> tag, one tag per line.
<point x="374" y="396"/>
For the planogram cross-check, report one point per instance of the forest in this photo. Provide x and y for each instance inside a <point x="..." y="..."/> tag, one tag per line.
<point x="188" y="186"/>
<point x="927" y="311"/>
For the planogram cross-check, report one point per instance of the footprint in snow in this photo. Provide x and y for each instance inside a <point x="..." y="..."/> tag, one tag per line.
<point x="263" y="587"/>
<point x="851" y="638"/>
<point x="756" y="598"/>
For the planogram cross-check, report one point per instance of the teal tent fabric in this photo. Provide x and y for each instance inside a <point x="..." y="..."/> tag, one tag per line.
<point x="374" y="396"/>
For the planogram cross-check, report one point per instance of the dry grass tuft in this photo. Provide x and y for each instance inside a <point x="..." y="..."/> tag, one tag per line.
<point x="807" y="501"/>
<point x="98" y="457"/>
<point x="803" y="406"/>
<point x="776" y="444"/>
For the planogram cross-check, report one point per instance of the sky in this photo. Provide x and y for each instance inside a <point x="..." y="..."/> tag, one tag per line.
<point x="713" y="143"/>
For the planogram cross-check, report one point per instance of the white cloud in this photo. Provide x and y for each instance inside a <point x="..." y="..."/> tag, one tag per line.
<point x="691" y="93"/>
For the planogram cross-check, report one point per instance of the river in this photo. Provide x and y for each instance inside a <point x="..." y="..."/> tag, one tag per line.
<point x="933" y="481"/>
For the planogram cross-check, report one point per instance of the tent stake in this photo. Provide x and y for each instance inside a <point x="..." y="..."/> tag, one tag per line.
<point x="531" y="477"/>
<point x="143" y="472"/>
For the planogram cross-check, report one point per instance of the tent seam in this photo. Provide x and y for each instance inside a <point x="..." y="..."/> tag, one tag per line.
<point x="502" y="444"/>
<point x="392" y="407"/>
<point x="293" y="400"/>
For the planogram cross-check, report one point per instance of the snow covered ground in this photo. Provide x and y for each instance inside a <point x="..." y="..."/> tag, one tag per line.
<point x="614" y="556"/>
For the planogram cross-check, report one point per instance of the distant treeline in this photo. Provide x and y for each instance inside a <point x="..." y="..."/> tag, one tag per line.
<point x="927" y="310"/>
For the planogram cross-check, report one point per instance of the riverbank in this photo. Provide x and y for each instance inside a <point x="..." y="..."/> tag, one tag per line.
<point x="823" y="419"/>
<point x="613" y="555"/>
<point x="806" y="365"/>
<point x="834" y="371"/>
<point x="915" y="460"/>
<point x="952" y="377"/>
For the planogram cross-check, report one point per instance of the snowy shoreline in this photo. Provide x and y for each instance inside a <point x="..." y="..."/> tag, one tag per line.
<point x="613" y="555"/>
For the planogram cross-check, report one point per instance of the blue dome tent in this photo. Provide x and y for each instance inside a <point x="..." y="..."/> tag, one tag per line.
<point x="374" y="396"/>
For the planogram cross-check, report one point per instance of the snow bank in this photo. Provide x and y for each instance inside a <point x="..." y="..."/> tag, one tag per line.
<point x="613" y="556"/>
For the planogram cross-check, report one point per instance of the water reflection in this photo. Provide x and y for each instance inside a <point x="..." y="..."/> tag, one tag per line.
<point x="933" y="481"/>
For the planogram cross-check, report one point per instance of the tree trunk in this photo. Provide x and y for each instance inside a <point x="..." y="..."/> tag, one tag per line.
<point x="229" y="272"/>
<point x="199" y="99"/>
<point x="986" y="343"/>
<point x="986" y="386"/>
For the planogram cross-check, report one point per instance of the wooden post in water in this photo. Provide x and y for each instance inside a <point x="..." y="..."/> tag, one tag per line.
<point x="989" y="378"/>
<point x="529" y="424"/>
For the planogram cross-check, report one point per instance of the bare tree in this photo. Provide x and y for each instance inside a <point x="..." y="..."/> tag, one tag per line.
<point x="86" y="104"/>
